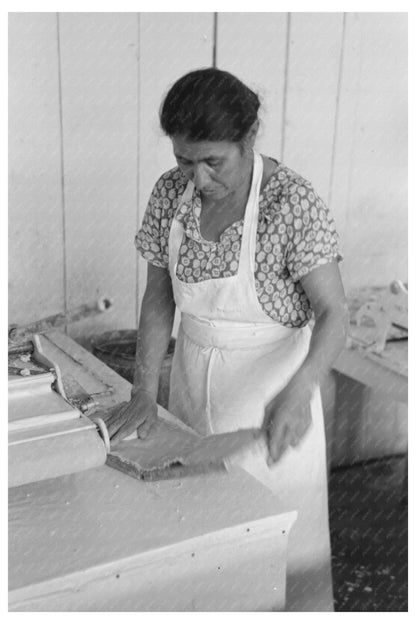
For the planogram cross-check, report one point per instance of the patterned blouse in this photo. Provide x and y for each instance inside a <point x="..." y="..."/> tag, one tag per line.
<point x="296" y="233"/>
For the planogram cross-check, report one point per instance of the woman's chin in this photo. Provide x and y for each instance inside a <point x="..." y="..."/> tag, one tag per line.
<point x="216" y="194"/>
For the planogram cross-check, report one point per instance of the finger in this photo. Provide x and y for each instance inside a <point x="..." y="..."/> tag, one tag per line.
<point x="144" y="429"/>
<point x="302" y="427"/>
<point x="120" y="434"/>
<point x="308" y="419"/>
<point x="295" y="438"/>
<point x="274" y="434"/>
<point x="125" y="423"/>
<point x="115" y="418"/>
<point x="279" y="441"/>
<point x="125" y="429"/>
<point x="266" y="420"/>
<point x="118" y="425"/>
<point x="278" y="448"/>
<point x="113" y="426"/>
<point x="104" y="414"/>
<point x="269" y="413"/>
<point x="296" y="433"/>
<point x="276" y="454"/>
<point x="115" y="436"/>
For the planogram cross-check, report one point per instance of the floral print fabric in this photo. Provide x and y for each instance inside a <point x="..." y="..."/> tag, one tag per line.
<point x="295" y="234"/>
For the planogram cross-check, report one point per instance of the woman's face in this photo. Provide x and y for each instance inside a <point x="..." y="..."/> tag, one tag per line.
<point x="217" y="168"/>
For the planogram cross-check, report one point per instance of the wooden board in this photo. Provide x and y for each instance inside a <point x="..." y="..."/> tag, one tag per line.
<point x="97" y="379"/>
<point x="395" y="353"/>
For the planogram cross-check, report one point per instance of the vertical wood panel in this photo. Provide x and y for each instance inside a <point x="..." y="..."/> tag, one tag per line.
<point x="35" y="197"/>
<point x="171" y="44"/>
<point x="313" y="67"/>
<point x="253" y="47"/>
<point x="346" y="122"/>
<point x="376" y="221"/>
<point x="99" y="101"/>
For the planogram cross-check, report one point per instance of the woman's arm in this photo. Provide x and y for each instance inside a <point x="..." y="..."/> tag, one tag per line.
<point x="325" y="291"/>
<point x="288" y="415"/>
<point x="155" y="329"/>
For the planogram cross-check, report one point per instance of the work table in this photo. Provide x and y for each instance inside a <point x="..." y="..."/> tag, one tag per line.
<point x="99" y="540"/>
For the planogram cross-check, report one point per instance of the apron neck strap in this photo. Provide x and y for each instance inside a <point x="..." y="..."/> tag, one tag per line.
<point x="186" y="196"/>
<point x="248" y="240"/>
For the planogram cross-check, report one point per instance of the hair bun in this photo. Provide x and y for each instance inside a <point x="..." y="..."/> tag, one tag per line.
<point x="209" y="105"/>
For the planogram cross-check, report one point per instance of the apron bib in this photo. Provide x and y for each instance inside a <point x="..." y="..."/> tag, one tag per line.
<point x="230" y="360"/>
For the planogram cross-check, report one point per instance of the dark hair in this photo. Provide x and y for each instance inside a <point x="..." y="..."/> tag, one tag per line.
<point x="209" y="105"/>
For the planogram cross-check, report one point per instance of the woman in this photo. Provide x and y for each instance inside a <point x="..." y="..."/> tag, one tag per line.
<point x="247" y="251"/>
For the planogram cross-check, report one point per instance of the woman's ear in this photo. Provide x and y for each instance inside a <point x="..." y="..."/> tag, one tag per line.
<point x="251" y="135"/>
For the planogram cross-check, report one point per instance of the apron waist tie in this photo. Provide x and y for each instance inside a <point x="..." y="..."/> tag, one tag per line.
<point x="229" y="335"/>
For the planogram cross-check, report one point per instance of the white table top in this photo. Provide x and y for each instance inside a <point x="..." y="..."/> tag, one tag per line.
<point x="100" y="517"/>
<point x="80" y="521"/>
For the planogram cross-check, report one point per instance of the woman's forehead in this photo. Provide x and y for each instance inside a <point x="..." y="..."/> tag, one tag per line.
<point x="200" y="150"/>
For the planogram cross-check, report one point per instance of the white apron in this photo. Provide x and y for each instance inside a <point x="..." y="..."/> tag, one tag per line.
<point x="230" y="360"/>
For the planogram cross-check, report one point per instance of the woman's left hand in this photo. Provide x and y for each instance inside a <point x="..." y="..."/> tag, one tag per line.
<point x="288" y="417"/>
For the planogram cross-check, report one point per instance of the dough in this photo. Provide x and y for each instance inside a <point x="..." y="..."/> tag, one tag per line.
<point x="172" y="451"/>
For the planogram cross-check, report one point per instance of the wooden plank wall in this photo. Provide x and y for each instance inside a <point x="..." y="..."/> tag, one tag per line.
<point x="98" y="54"/>
<point x="254" y="49"/>
<point x="313" y="70"/>
<point x="36" y="232"/>
<point x="85" y="147"/>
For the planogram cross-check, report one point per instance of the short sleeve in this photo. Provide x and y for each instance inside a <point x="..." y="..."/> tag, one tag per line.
<point x="312" y="237"/>
<point x="153" y="236"/>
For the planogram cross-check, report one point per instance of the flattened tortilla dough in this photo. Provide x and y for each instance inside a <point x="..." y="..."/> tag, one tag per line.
<point x="169" y="446"/>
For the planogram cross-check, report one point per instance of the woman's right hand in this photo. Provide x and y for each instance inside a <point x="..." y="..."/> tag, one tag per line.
<point x="140" y="413"/>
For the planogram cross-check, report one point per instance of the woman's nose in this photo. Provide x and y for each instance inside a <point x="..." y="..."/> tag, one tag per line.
<point x="201" y="178"/>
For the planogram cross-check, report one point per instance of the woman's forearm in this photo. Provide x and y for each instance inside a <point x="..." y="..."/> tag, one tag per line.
<point x="328" y="338"/>
<point x="155" y="329"/>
